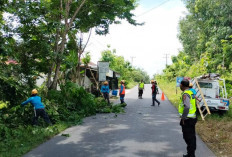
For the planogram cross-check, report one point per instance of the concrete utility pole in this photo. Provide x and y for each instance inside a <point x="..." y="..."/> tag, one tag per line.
<point x="132" y="59"/>
<point x="166" y="56"/>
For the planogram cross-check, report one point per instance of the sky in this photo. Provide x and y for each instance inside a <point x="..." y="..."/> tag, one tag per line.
<point x="147" y="44"/>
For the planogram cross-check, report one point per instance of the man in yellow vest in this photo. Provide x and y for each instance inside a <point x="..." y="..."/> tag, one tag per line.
<point x="141" y="88"/>
<point x="187" y="111"/>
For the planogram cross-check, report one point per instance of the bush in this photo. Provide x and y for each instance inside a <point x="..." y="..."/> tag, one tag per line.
<point x="65" y="108"/>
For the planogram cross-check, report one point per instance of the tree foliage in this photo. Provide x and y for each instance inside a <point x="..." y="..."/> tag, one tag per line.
<point x="41" y="30"/>
<point x="206" y="36"/>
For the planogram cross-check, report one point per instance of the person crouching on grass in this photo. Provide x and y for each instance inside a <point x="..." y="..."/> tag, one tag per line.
<point x="39" y="108"/>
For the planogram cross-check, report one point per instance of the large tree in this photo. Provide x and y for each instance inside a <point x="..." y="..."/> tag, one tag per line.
<point x="206" y="25"/>
<point x="43" y="27"/>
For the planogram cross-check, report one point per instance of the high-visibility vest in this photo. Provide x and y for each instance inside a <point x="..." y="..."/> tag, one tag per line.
<point x="141" y="85"/>
<point x="123" y="90"/>
<point x="192" y="110"/>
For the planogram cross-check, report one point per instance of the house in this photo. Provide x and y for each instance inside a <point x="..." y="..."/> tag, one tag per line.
<point x="90" y="79"/>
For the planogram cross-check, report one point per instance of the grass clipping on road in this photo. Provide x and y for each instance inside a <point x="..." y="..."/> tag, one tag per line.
<point x="215" y="131"/>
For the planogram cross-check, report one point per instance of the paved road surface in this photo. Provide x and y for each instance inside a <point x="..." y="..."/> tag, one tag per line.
<point x="143" y="131"/>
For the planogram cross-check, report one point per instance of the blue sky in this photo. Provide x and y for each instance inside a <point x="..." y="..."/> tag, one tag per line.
<point x="168" y="4"/>
<point x="148" y="44"/>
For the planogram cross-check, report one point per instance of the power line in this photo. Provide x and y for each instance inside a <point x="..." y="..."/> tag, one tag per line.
<point x="153" y="8"/>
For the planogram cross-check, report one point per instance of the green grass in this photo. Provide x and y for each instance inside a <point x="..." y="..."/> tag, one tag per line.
<point x="171" y="91"/>
<point x="131" y="85"/>
<point x="28" y="137"/>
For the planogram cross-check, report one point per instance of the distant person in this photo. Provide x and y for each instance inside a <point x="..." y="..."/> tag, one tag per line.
<point x="105" y="91"/>
<point x="157" y="90"/>
<point x="187" y="111"/>
<point x="154" y="93"/>
<point x="39" y="109"/>
<point x="122" y="91"/>
<point x="194" y="92"/>
<point x="141" y="88"/>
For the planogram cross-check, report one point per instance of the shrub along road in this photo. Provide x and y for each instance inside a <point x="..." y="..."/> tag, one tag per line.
<point x="143" y="131"/>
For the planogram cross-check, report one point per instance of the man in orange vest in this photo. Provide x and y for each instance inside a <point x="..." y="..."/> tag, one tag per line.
<point x="122" y="91"/>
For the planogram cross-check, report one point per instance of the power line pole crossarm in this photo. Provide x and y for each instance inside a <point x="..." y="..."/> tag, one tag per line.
<point x="166" y="56"/>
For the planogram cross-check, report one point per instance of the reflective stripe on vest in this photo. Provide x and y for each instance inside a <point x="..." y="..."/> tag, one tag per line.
<point x="141" y="85"/>
<point x="192" y="109"/>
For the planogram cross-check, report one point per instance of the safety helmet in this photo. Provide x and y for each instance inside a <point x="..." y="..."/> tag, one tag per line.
<point x="190" y="85"/>
<point x="152" y="81"/>
<point x="105" y="83"/>
<point x="122" y="81"/>
<point x="34" y="91"/>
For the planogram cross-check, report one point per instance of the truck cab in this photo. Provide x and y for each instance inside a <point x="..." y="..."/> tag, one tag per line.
<point x="214" y="94"/>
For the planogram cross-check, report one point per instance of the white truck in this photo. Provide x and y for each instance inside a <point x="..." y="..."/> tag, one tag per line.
<point x="214" y="94"/>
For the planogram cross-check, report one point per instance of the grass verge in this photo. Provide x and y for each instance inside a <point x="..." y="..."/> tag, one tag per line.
<point x="28" y="137"/>
<point x="131" y="84"/>
<point x="215" y="131"/>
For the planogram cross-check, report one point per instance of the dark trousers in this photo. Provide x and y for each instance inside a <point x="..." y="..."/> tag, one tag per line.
<point x="140" y="92"/>
<point x="106" y="97"/>
<point x="122" y="98"/>
<point x="154" y="99"/>
<point x="40" y="113"/>
<point x="189" y="135"/>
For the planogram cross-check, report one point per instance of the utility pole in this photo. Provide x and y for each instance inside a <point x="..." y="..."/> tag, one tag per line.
<point x="166" y="56"/>
<point x="132" y="59"/>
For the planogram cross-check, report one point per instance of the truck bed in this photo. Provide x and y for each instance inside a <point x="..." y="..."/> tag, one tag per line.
<point x="216" y="103"/>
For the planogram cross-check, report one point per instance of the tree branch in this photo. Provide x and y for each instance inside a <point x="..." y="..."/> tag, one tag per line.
<point x="76" y="12"/>
<point x="87" y="40"/>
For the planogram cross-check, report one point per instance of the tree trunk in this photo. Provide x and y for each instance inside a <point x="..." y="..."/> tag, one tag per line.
<point x="79" y="69"/>
<point x="59" y="61"/>
<point x="61" y="47"/>
<point x="49" y="82"/>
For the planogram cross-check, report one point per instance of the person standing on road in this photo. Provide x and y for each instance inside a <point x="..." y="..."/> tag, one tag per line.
<point x="105" y="91"/>
<point x="187" y="111"/>
<point x="154" y="92"/>
<point x="38" y="107"/>
<point x="141" y="88"/>
<point x="122" y="91"/>
<point x="157" y="91"/>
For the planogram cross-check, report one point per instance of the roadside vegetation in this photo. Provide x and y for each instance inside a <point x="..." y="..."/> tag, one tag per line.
<point x="65" y="108"/>
<point x="206" y="36"/>
<point x="44" y="39"/>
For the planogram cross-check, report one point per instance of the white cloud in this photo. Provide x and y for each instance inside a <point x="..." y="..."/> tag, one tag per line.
<point x="148" y="43"/>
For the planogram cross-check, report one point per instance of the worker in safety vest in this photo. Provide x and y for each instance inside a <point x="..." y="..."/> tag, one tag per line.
<point x="194" y="92"/>
<point x="39" y="110"/>
<point x="122" y="91"/>
<point x="141" y="88"/>
<point x="154" y="92"/>
<point x="187" y="111"/>
<point x="105" y="91"/>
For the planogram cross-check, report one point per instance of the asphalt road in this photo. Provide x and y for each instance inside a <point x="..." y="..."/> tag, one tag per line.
<point x="143" y="131"/>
